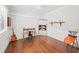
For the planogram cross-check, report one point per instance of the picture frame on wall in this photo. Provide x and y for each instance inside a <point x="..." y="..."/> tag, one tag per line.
<point x="8" y="21"/>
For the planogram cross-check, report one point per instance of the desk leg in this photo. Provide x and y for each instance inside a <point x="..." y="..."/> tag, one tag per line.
<point x="23" y="35"/>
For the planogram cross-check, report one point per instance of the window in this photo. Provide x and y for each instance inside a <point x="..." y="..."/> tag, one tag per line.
<point x="1" y="23"/>
<point x="3" y="19"/>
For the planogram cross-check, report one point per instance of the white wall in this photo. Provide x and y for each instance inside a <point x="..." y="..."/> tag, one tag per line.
<point x="23" y="21"/>
<point x="4" y="37"/>
<point x="69" y="14"/>
<point x="4" y="40"/>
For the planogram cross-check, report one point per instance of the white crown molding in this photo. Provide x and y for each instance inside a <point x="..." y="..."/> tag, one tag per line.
<point x="17" y="14"/>
<point x="56" y="10"/>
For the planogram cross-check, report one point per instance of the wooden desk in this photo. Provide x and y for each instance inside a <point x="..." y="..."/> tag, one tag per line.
<point x="26" y="31"/>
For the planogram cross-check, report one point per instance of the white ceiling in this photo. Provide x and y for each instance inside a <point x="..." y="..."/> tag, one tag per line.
<point x="32" y="9"/>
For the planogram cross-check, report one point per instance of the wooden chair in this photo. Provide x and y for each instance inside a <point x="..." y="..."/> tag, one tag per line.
<point x="70" y="41"/>
<point x="26" y="31"/>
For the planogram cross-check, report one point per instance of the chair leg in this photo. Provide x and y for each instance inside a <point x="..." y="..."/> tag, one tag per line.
<point x="67" y="48"/>
<point x="76" y="42"/>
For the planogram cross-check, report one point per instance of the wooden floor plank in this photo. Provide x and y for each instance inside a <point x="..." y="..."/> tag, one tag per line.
<point x="39" y="44"/>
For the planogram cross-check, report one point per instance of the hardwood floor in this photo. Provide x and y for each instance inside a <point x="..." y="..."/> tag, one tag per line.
<point x="39" y="44"/>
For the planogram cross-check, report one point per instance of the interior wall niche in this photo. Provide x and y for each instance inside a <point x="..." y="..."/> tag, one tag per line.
<point x="42" y="27"/>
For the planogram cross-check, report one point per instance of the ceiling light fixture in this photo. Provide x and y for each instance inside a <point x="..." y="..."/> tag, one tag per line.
<point x="39" y="7"/>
